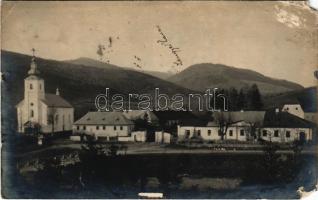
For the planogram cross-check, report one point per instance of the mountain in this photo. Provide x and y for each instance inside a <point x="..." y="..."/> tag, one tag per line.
<point x="161" y="75"/>
<point x="95" y="63"/>
<point x="199" y="77"/>
<point x="92" y="63"/>
<point x="78" y="83"/>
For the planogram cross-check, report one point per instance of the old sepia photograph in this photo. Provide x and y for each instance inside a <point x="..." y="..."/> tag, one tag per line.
<point x="159" y="100"/>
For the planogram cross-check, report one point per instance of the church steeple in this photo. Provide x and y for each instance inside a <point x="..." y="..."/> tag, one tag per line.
<point x="33" y="67"/>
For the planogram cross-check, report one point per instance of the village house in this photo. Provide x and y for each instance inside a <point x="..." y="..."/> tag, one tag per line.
<point x="111" y="126"/>
<point x="211" y="131"/>
<point x="285" y="127"/>
<point x="41" y="112"/>
<point x="271" y="125"/>
<point x="196" y="129"/>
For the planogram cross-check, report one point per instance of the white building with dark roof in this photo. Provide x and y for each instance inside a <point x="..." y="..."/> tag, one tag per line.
<point x="40" y="111"/>
<point x="109" y="125"/>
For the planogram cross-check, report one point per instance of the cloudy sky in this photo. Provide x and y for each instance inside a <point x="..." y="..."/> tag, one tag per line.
<point x="277" y="39"/>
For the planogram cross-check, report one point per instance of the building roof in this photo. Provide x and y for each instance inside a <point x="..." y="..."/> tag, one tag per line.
<point x="174" y="115"/>
<point x="285" y="120"/>
<point x="192" y="122"/>
<point x="247" y="116"/>
<point x="53" y="100"/>
<point x="104" y="118"/>
<point x="212" y="124"/>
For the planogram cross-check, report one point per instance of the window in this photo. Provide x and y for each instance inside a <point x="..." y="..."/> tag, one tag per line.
<point x="276" y="133"/>
<point x="115" y="128"/>
<point x="199" y="132"/>
<point x="84" y="128"/>
<point x="220" y="133"/>
<point x="209" y="132"/>
<point x="31" y="86"/>
<point x="31" y="104"/>
<point x="264" y="133"/>
<point x="97" y="127"/>
<point x="40" y="87"/>
<point x="296" y="108"/>
<point x="77" y="127"/>
<point x="231" y="133"/>
<point x="242" y="132"/>
<point x="287" y="134"/>
<point x="121" y="128"/>
<point x="187" y="133"/>
<point x="32" y="113"/>
<point x="104" y="127"/>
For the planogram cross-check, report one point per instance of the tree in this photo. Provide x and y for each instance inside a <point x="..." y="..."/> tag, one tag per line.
<point x="233" y="99"/>
<point x="255" y="100"/>
<point x="241" y="100"/>
<point x="221" y="100"/>
<point x="224" y="120"/>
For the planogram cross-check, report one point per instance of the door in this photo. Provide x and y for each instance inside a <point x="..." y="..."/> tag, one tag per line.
<point x="302" y="137"/>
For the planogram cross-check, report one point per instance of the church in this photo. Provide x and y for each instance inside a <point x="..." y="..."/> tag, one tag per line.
<point x="41" y="112"/>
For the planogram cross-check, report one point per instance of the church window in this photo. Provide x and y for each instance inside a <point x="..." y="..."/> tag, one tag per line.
<point x="31" y="86"/>
<point x="97" y="127"/>
<point x="77" y="127"/>
<point x="121" y="128"/>
<point x="115" y="127"/>
<point x="84" y="127"/>
<point x="32" y="113"/>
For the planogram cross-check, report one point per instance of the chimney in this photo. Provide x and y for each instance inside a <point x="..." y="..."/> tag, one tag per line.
<point x="57" y="91"/>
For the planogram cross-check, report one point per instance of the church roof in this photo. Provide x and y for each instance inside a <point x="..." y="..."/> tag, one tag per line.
<point x="104" y="118"/>
<point x="53" y="100"/>
<point x="33" y="77"/>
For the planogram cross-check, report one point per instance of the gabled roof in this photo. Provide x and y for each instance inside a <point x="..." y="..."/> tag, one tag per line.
<point x="285" y="120"/>
<point x="212" y="124"/>
<point x="52" y="100"/>
<point x="174" y="115"/>
<point x="247" y="116"/>
<point x="192" y="122"/>
<point x="104" y="118"/>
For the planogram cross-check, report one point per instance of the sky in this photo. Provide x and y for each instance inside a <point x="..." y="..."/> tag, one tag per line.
<point x="277" y="39"/>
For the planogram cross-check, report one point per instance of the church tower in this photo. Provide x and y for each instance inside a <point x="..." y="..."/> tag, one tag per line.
<point x="33" y="93"/>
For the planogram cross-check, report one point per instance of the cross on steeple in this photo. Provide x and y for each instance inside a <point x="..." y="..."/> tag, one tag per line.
<point x="33" y="68"/>
<point x="33" y="52"/>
